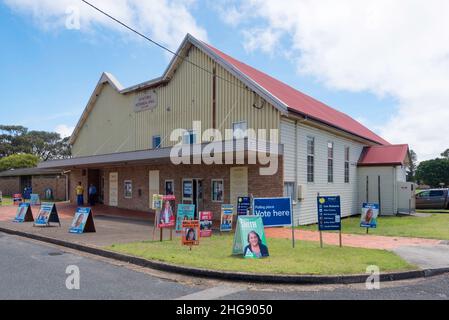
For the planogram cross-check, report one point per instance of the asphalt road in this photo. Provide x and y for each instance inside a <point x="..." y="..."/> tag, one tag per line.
<point x="34" y="270"/>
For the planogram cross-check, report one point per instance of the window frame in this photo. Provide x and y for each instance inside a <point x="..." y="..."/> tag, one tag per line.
<point x="293" y="184"/>
<point x="347" y="165"/>
<point x="330" y="161"/>
<point x="173" y="186"/>
<point x="125" y="182"/>
<point x="212" y="190"/>
<point x="310" y="155"/>
<point x="245" y="131"/>
<point x="160" y="141"/>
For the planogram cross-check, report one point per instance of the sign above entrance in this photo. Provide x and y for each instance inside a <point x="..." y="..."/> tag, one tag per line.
<point x="145" y="101"/>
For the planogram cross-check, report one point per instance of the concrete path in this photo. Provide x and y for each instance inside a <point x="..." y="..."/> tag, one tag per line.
<point x="425" y="257"/>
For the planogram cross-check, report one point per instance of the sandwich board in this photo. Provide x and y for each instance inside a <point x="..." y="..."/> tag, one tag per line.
<point x="24" y="213"/>
<point x="83" y="221"/>
<point x="47" y="214"/>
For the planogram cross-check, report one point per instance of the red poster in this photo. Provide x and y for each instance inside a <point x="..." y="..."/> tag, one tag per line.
<point x="167" y="215"/>
<point x="206" y="218"/>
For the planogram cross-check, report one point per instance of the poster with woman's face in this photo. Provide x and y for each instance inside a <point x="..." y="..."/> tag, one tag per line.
<point x="167" y="213"/>
<point x="190" y="232"/>
<point x="79" y="220"/>
<point x="44" y="215"/>
<point x="370" y="212"/>
<point x="250" y="238"/>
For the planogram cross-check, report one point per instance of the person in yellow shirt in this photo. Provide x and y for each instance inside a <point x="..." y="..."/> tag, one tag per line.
<point x="80" y="194"/>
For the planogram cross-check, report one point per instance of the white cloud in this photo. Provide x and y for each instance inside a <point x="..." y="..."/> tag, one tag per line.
<point x="398" y="48"/>
<point x="166" y="21"/>
<point x="64" y="130"/>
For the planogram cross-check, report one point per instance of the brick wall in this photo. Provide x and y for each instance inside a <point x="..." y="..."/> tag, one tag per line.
<point x="259" y="186"/>
<point x="10" y="185"/>
<point x="56" y="183"/>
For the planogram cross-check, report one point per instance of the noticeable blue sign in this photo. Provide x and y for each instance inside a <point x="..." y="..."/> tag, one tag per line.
<point x="275" y="212"/>
<point x="22" y="212"/>
<point x="34" y="199"/>
<point x="370" y="212"/>
<point x="329" y="213"/>
<point x="79" y="220"/>
<point x="243" y="205"/>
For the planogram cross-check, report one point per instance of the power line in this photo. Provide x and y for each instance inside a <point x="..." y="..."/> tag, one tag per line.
<point x="161" y="45"/>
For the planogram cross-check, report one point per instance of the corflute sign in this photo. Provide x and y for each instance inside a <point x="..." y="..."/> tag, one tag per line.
<point x="275" y="212"/>
<point x="329" y="213"/>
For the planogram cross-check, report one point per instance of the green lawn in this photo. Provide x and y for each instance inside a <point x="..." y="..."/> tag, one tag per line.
<point x="432" y="211"/>
<point x="306" y="258"/>
<point x="7" y="201"/>
<point x="435" y="226"/>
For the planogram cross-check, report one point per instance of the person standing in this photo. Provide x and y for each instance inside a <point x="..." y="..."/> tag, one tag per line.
<point x="92" y="194"/>
<point x="80" y="194"/>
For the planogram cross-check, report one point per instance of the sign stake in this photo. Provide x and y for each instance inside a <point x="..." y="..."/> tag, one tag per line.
<point x="321" y="239"/>
<point x="341" y="243"/>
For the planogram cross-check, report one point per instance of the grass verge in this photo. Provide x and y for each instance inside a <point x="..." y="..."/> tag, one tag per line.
<point x="307" y="258"/>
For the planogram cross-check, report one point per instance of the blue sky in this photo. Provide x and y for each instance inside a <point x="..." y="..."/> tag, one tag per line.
<point x="48" y="72"/>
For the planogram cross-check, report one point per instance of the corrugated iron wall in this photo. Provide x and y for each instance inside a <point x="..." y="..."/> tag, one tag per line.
<point x="113" y="126"/>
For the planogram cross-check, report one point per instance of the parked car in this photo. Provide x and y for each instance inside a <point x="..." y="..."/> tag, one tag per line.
<point x="433" y="199"/>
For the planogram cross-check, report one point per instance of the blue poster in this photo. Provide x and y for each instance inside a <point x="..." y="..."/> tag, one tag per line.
<point x="329" y="213"/>
<point x="370" y="212"/>
<point x="185" y="211"/>
<point x="44" y="214"/>
<point x="34" y="199"/>
<point x="243" y="205"/>
<point x="79" y="220"/>
<point x="227" y="217"/>
<point x="275" y="212"/>
<point x="22" y="211"/>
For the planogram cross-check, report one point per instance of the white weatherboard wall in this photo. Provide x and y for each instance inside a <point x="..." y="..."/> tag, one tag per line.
<point x="305" y="211"/>
<point x="389" y="178"/>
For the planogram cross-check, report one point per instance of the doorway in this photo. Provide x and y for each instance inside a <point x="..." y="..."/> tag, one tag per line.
<point x="193" y="193"/>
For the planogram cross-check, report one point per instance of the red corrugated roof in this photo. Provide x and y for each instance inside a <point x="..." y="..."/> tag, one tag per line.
<point x="302" y="103"/>
<point x="384" y="155"/>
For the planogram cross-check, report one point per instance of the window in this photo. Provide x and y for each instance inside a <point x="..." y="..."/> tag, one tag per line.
<point x="239" y="130"/>
<point x="346" y="164"/>
<point x="310" y="159"/>
<point x="156" y="142"/>
<point x="187" y="190"/>
<point x="436" y="193"/>
<point x="190" y="137"/>
<point x="424" y="194"/>
<point x="289" y="190"/>
<point x="169" y="187"/>
<point x="128" y="189"/>
<point x="330" y="162"/>
<point x="217" y="190"/>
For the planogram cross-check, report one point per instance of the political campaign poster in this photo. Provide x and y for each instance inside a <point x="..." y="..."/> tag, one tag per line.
<point x="156" y="203"/>
<point x="24" y="213"/>
<point x="275" y="212"/>
<point x="227" y="216"/>
<point x="34" y="199"/>
<point x="370" y="212"/>
<point x="329" y="213"/>
<point x="47" y="214"/>
<point x="243" y="206"/>
<point x="190" y="232"/>
<point x="206" y="220"/>
<point x="1" y="198"/>
<point x="167" y="213"/>
<point x="82" y="221"/>
<point x="249" y="239"/>
<point x="185" y="212"/>
<point x="17" y="199"/>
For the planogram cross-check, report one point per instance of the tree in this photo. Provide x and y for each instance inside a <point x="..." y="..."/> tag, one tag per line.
<point x="17" y="161"/>
<point x="445" y="154"/>
<point x="13" y="140"/>
<point x="45" y="145"/>
<point x="48" y="145"/>
<point x="412" y="166"/>
<point x="433" y="172"/>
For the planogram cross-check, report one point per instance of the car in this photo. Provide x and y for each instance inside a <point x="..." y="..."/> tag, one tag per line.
<point x="432" y="199"/>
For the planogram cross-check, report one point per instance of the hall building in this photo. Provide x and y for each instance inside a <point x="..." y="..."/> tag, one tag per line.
<point x="123" y="142"/>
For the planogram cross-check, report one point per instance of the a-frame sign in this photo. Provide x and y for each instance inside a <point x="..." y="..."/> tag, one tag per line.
<point x="47" y="214"/>
<point x="83" y="221"/>
<point x="24" y="213"/>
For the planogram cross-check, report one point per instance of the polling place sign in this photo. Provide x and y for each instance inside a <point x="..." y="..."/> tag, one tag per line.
<point x="275" y="212"/>
<point x="329" y="213"/>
